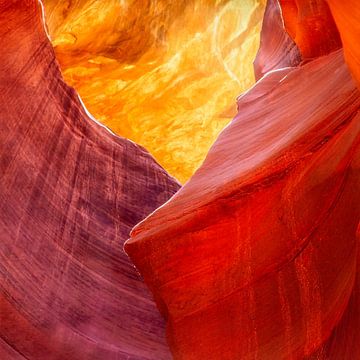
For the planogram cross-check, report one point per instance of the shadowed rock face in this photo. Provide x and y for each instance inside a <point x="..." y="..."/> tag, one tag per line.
<point x="277" y="49"/>
<point x="256" y="256"/>
<point x="70" y="191"/>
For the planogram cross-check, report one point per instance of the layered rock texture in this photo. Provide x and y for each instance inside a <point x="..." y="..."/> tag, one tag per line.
<point x="163" y="73"/>
<point x="70" y="191"/>
<point x="277" y="49"/>
<point x="256" y="257"/>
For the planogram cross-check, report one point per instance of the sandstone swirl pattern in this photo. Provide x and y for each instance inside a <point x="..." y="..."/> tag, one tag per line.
<point x="256" y="257"/>
<point x="277" y="49"/>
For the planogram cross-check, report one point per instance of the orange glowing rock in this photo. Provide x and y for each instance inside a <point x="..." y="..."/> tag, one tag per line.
<point x="164" y="74"/>
<point x="256" y="256"/>
<point x="347" y="18"/>
<point x="311" y="25"/>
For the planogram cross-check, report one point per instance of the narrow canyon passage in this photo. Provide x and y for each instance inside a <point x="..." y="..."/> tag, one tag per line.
<point x="107" y="107"/>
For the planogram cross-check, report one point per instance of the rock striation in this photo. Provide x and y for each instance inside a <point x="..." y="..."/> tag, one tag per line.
<point x="70" y="191"/>
<point x="277" y="49"/>
<point x="256" y="257"/>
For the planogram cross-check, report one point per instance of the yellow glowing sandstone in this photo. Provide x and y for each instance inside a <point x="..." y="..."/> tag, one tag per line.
<point x="162" y="73"/>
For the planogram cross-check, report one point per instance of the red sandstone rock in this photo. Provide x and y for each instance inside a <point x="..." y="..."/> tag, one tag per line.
<point x="347" y="18"/>
<point x="277" y="49"/>
<point x="70" y="191"/>
<point x="311" y="25"/>
<point x="256" y="256"/>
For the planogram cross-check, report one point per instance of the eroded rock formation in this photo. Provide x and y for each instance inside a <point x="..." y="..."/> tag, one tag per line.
<point x="256" y="256"/>
<point x="311" y="25"/>
<point x="162" y="73"/>
<point x="277" y="49"/>
<point x="70" y="191"/>
<point x="347" y="15"/>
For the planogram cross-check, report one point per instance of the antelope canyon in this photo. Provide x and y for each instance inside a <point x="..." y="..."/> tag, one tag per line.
<point x="179" y="180"/>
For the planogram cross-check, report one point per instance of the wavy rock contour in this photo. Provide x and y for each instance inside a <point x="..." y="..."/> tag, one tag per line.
<point x="70" y="191"/>
<point x="277" y="49"/>
<point x="256" y="256"/>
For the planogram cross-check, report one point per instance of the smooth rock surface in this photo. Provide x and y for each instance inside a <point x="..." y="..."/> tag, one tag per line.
<point x="256" y="256"/>
<point x="311" y="25"/>
<point x="70" y="191"/>
<point x="347" y="18"/>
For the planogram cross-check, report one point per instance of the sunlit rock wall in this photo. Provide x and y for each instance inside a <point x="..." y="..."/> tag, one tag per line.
<point x="164" y="74"/>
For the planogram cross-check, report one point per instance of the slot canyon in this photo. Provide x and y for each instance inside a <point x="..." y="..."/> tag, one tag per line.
<point x="179" y="180"/>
